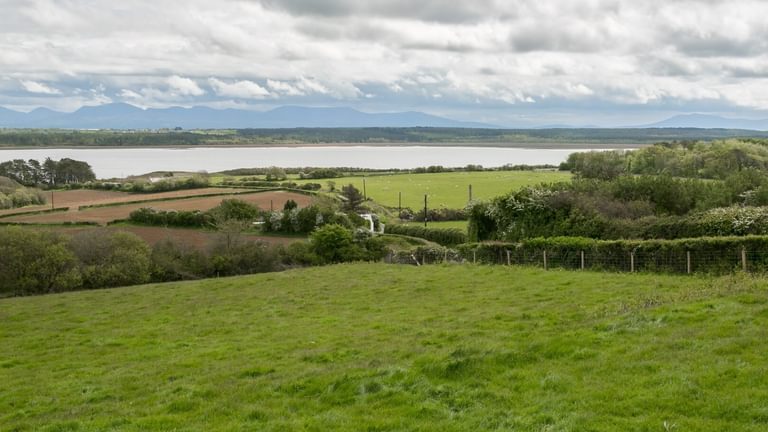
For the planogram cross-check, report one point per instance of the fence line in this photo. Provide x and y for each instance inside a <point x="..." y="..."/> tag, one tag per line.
<point x="680" y="262"/>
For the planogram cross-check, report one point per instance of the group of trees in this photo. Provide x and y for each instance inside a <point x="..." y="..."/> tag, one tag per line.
<point x="50" y="173"/>
<point x="710" y="160"/>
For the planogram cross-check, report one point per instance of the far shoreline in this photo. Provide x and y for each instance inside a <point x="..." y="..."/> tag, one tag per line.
<point x="516" y="145"/>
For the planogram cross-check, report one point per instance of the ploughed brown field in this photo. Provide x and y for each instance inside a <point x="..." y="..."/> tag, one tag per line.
<point x="104" y="215"/>
<point x="200" y="239"/>
<point x="75" y="198"/>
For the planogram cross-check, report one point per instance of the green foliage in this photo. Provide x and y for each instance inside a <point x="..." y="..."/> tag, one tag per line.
<point x="275" y="174"/>
<point x="352" y="196"/>
<point x="441" y="214"/>
<point x="601" y="165"/>
<point x="334" y="244"/>
<point x="624" y="207"/>
<point x="228" y="209"/>
<point x="184" y="218"/>
<point x="172" y="262"/>
<point x="14" y="195"/>
<point x="142" y="186"/>
<point x="235" y="209"/>
<point x="110" y="259"/>
<point x="320" y="173"/>
<point x="712" y="160"/>
<point x="229" y="259"/>
<point x="290" y="205"/>
<point x="441" y="236"/>
<point x="51" y="173"/>
<point x="714" y="255"/>
<point x="33" y="262"/>
<point x="304" y="220"/>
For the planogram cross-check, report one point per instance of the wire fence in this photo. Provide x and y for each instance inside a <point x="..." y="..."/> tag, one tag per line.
<point x="664" y="261"/>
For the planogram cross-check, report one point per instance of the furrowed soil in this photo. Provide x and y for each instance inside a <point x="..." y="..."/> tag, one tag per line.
<point x="86" y="197"/>
<point x="104" y="215"/>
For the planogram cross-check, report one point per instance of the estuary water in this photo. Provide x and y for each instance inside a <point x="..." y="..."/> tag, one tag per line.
<point x="121" y="162"/>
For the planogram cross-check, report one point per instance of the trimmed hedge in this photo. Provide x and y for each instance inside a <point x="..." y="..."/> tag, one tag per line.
<point x="36" y="212"/>
<point x="707" y="254"/>
<point x="441" y="236"/>
<point x="150" y="216"/>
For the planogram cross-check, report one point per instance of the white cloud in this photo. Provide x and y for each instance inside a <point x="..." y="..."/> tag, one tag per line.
<point x="239" y="89"/>
<point x="284" y="88"/>
<point x="483" y="55"/>
<point x="38" y="87"/>
<point x="184" y="86"/>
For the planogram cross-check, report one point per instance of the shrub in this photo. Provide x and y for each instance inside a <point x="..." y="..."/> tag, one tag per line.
<point x="708" y="254"/>
<point x="333" y="244"/>
<point x="109" y="259"/>
<point x="35" y="262"/>
<point x="150" y="216"/>
<point x="172" y="261"/>
<point x="442" y="236"/>
<point x="234" y="209"/>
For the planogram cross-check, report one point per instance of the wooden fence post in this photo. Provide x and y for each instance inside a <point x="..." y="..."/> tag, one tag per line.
<point x="744" y="259"/>
<point x="688" y="261"/>
<point x="545" y="260"/>
<point x="509" y="259"/>
<point x="474" y="257"/>
<point x="632" y="262"/>
<point x="582" y="260"/>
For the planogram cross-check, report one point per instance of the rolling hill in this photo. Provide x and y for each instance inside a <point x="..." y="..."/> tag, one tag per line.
<point x="384" y="347"/>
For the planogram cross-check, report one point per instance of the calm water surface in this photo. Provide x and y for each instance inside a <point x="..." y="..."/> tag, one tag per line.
<point x="118" y="162"/>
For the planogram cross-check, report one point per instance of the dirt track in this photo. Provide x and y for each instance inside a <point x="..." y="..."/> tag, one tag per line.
<point x="104" y="215"/>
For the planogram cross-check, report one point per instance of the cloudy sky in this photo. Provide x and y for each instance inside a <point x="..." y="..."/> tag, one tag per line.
<point x="507" y="62"/>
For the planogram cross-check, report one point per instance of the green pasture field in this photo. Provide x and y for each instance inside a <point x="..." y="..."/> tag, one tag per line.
<point x="450" y="190"/>
<point x="460" y="225"/>
<point x="375" y="347"/>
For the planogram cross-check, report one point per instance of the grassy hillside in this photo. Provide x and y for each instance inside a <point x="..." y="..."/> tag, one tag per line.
<point x="448" y="189"/>
<point x="376" y="347"/>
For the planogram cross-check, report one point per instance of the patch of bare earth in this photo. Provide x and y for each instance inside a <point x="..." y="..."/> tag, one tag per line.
<point x="86" y="197"/>
<point x="104" y="215"/>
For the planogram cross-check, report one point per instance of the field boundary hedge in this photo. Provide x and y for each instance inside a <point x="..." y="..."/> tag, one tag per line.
<point x="35" y="212"/>
<point x="118" y="204"/>
<point x="441" y="236"/>
<point x="714" y="255"/>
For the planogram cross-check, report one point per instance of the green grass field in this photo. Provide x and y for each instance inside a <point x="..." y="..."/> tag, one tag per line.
<point x="460" y="225"/>
<point x="390" y="348"/>
<point x="444" y="189"/>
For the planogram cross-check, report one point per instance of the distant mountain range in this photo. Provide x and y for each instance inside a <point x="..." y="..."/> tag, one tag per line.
<point x="125" y="116"/>
<point x="709" y="122"/>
